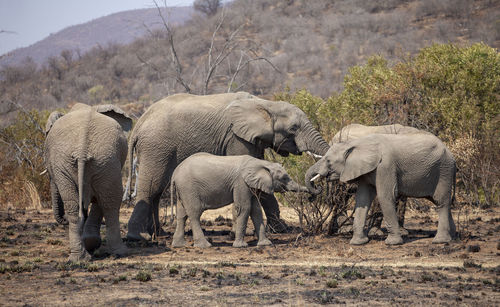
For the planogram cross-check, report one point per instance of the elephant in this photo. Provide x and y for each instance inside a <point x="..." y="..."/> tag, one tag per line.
<point x="355" y="131"/>
<point x="390" y="166"/>
<point x="84" y="152"/>
<point x="206" y="181"/>
<point x="180" y="125"/>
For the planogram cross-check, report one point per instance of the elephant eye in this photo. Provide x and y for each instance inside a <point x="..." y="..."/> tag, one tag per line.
<point x="294" y="128"/>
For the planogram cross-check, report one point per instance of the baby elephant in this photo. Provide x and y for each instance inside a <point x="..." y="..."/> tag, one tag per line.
<point x="205" y="181"/>
<point x="392" y="166"/>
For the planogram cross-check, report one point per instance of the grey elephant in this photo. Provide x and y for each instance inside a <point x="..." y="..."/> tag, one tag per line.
<point x="206" y="181"/>
<point x="84" y="152"/>
<point x="178" y="126"/>
<point x="355" y="131"/>
<point x="390" y="166"/>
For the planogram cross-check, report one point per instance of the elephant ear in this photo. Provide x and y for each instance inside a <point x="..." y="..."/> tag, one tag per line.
<point x="117" y="114"/>
<point x="51" y="120"/>
<point x="258" y="177"/>
<point x="251" y="120"/>
<point x="360" y="160"/>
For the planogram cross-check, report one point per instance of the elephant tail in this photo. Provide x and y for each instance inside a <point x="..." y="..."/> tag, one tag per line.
<point x="131" y="147"/>
<point x="81" y="206"/>
<point x="172" y="197"/>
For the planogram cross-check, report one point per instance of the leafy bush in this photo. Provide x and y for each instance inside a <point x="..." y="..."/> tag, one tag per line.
<point x="449" y="90"/>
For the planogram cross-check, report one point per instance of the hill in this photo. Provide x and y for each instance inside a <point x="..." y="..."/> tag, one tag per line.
<point x="119" y="28"/>
<point x="261" y="46"/>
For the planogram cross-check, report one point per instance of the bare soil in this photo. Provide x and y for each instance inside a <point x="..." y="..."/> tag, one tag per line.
<point x="297" y="270"/>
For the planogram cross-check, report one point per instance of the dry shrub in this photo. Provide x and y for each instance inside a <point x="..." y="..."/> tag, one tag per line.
<point x="21" y="162"/>
<point x="32" y="194"/>
<point x="477" y="176"/>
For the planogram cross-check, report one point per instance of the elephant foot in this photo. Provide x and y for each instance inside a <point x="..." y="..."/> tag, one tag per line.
<point x="202" y="243"/>
<point x="439" y="239"/>
<point x="179" y="242"/>
<point x="277" y="226"/>
<point x="81" y="256"/>
<point x="132" y="236"/>
<point x="120" y="252"/>
<point x="240" y="243"/>
<point x="394" y="240"/>
<point x="359" y="240"/>
<point x="403" y="231"/>
<point x="263" y="242"/>
<point x="91" y="243"/>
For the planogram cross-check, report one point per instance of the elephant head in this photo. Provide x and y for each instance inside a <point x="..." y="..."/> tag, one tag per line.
<point x="269" y="177"/>
<point x="277" y="125"/>
<point x="344" y="161"/>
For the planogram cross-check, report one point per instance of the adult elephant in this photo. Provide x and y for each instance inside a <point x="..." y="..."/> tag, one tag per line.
<point x="178" y="126"/>
<point x="84" y="152"/>
<point x="390" y="166"/>
<point x="356" y="131"/>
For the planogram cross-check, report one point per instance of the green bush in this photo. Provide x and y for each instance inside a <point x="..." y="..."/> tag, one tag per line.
<point x="449" y="90"/>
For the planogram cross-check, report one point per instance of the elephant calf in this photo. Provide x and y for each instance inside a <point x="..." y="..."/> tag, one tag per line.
<point x="206" y="181"/>
<point x="390" y="166"/>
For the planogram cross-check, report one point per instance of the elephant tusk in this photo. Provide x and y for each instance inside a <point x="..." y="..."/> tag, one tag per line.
<point x="44" y="172"/>
<point x="315" y="156"/>
<point x="315" y="177"/>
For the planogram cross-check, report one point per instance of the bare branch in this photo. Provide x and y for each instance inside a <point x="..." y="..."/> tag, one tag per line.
<point x="241" y="66"/>
<point x="175" y="58"/>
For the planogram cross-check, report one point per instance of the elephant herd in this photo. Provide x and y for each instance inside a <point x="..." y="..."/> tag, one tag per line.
<point x="210" y="150"/>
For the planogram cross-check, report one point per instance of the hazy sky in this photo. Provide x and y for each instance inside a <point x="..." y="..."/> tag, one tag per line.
<point x="33" y="20"/>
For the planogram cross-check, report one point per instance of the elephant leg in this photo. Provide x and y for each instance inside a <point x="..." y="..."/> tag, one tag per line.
<point x="401" y="215"/>
<point x="113" y="236"/>
<point x="155" y="228"/>
<point x="242" y="206"/>
<point x="144" y="218"/>
<point x="92" y="230"/>
<point x="258" y="223"/>
<point x="109" y="201"/>
<point x="178" y="239"/>
<point x="77" y="250"/>
<point x="272" y="210"/>
<point x="446" y="226"/>
<point x="388" y="206"/>
<point x="193" y="207"/>
<point x="57" y="204"/>
<point x="364" y="197"/>
<point x="400" y="211"/>
<point x="69" y="196"/>
<point x="198" y="236"/>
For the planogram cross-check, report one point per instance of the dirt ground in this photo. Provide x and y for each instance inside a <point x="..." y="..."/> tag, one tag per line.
<point x="297" y="270"/>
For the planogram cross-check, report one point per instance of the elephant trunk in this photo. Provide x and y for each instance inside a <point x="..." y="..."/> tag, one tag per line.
<point x="309" y="139"/>
<point x="295" y="187"/>
<point x="311" y="174"/>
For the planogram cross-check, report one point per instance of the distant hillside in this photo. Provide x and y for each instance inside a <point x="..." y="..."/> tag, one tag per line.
<point x="120" y="28"/>
<point x="262" y="46"/>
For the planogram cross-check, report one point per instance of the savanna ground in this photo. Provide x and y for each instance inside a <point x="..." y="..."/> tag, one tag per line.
<point x="296" y="270"/>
